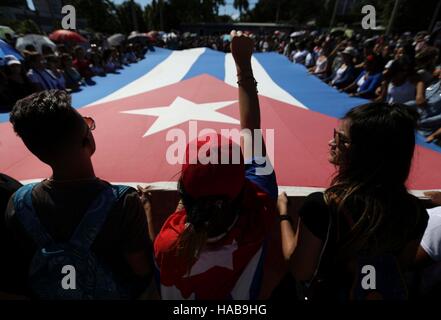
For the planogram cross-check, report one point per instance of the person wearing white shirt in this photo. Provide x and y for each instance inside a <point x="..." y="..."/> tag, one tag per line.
<point x="429" y="252"/>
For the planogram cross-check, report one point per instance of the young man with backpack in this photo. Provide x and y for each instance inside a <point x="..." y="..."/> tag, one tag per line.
<point x="73" y="235"/>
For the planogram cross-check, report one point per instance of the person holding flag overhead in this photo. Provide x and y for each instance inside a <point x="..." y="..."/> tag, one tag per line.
<point x="213" y="247"/>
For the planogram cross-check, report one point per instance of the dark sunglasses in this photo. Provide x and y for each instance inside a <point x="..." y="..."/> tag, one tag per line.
<point x="340" y="138"/>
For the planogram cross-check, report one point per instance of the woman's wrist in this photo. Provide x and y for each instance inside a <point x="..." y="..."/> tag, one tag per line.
<point x="283" y="209"/>
<point x="285" y="217"/>
<point x="244" y="68"/>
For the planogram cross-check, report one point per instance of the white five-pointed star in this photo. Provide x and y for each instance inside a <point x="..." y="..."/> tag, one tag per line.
<point x="221" y="257"/>
<point x="182" y="110"/>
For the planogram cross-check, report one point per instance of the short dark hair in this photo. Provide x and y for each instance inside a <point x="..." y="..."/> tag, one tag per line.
<point x="46" y="122"/>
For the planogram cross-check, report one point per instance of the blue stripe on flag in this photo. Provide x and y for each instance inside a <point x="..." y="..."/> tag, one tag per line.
<point x="422" y="142"/>
<point x="211" y="62"/>
<point x="4" y="117"/>
<point x="311" y="91"/>
<point x="112" y="82"/>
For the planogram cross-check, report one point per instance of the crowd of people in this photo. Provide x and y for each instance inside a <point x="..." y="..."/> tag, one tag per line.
<point x="402" y="69"/>
<point x="405" y="68"/>
<point x="218" y="242"/>
<point x="397" y="69"/>
<point x="68" y="67"/>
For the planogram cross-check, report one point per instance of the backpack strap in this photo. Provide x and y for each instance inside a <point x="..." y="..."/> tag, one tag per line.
<point x="26" y="214"/>
<point x="95" y="217"/>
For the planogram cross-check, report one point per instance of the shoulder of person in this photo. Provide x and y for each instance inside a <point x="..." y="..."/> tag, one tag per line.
<point x="316" y="198"/>
<point x="418" y="208"/>
<point x="9" y="183"/>
<point x="314" y="204"/>
<point x="127" y="195"/>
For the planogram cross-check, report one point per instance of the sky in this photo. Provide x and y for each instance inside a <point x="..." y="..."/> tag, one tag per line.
<point x="228" y="9"/>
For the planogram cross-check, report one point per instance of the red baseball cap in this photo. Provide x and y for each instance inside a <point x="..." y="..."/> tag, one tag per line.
<point x="214" y="166"/>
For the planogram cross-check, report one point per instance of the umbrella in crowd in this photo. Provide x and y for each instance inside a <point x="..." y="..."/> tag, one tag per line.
<point x="67" y="35"/>
<point x="226" y="38"/>
<point x="297" y="34"/>
<point x="168" y="37"/>
<point x="116" y="39"/>
<point x="153" y="34"/>
<point x="6" y="31"/>
<point x="35" y="40"/>
<point x="6" y="49"/>
<point x="139" y="37"/>
<point x="342" y="31"/>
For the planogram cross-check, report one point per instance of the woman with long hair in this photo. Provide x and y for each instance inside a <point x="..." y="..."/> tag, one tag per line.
<point x="213" y="246"/>
<point x="366" y="214"/>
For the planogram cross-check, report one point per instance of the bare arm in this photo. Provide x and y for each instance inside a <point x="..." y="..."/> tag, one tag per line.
<point x="299" y="245"/>
<point x="420" y="98"/>
<point x="242" y="50"/>
<point x="306" y="256"/>
<point x="383" y="92"/>
<point x="422" y="259"/>
<point x="434" y="136"/>
<point x="287" y="232"/>
<point x="350" y="87"/>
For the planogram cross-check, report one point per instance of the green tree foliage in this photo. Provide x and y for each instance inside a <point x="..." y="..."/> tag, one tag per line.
<point x="176" y="12"/>
<point x="294" y="12"/>
<point x="412" y="15"/>
<point x="242" y="5"/>
<point x="101" y="15"/>
<point x="26" y="26"/>
<point x="131" y="17"/>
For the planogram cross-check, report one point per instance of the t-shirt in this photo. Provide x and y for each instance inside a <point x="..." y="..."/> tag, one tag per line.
<point x="61" y="82"/>
<point x="401" y="94"/>
<point x="60" y="206"/>
<point x="431" y="242"/>
<point x="228" y="268"/>
<point x="42" y="78"/>
<point x="300" y="56"/>
<point x="83" y="67"/>
<point x="315" y="215"/>
<point x="321" y="65"/>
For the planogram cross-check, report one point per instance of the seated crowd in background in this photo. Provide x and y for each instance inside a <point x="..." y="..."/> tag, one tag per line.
<point x="66" y="68"/>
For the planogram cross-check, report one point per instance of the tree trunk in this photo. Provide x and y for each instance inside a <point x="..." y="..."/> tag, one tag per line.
<point x="392" y="17"/>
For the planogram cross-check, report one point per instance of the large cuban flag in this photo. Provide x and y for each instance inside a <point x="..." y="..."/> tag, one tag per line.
<point x="135" y="109"/>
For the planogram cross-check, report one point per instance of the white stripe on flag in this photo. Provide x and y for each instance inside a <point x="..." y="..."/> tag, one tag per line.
<point x="266" y="86"/>
<point x="172" y="70"/>
<point x="291" y="191"/>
